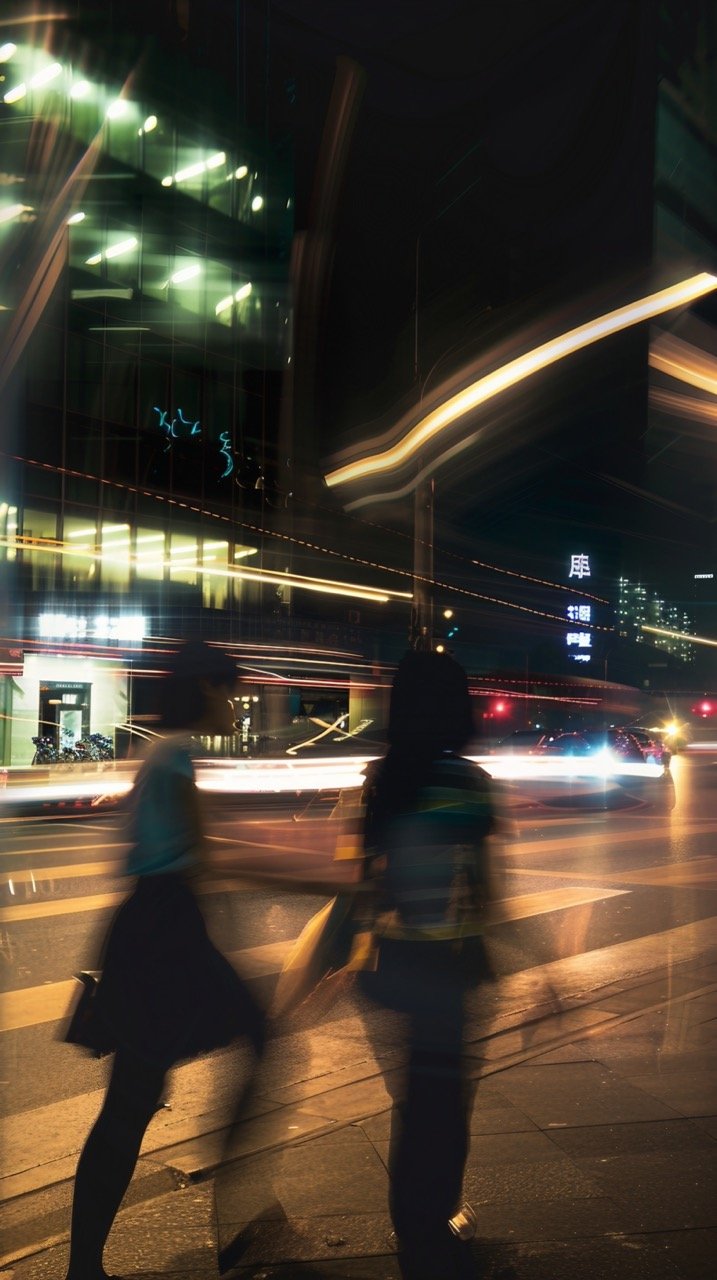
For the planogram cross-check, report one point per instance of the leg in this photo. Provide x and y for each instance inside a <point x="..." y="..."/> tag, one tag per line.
<point x="108" y="1160"/>
<point x="429" y="1141"/>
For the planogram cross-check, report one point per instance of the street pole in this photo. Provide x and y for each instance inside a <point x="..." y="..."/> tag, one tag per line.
<point x="421" y="635"/>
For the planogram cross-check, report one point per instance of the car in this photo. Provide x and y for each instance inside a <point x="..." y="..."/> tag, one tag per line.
<point x="590" y="742"/>
<point x="585" y="770"/>
<point x="523" y="741"/>
<point x="651" y="744"/>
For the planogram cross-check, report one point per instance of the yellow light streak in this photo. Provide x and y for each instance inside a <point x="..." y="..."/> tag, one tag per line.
<point x="679" y="635"/>
<point x="325" y="586"/>
<point x="685" y="362"/>
<point x="515" y="371"/>
<point x="681" y="406"/>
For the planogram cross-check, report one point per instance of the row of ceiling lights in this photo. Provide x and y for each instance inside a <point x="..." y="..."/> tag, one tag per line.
<point x="117" y="110"/>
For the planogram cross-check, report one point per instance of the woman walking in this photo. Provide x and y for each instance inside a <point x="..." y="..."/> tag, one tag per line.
<point x="166" y="993"/>
<point x="428" y="814"/>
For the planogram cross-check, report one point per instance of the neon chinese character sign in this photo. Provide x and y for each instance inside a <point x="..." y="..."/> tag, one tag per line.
<point x="579" y="566"/>
<point x="579" y="643"/>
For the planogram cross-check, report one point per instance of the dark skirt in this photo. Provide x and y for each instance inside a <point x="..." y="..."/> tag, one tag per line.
<point x="166" y="993"/>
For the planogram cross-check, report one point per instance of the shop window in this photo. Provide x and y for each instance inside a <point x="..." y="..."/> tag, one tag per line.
<point x="216" y="584"/>
<point x="115" y="555"/>
<point x="150" y="555"/>
<point x="80" y="553"/>
<point x="8" y="531"/>
<point x="41" y="555"/>
<point x="183" y="559"/>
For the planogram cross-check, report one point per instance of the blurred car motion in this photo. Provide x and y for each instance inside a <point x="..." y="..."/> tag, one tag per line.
<point x="617" y="745"/>
<point x="523" y="740"/>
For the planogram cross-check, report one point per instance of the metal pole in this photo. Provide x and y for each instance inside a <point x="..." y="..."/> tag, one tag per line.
<point x="421" y="635"/>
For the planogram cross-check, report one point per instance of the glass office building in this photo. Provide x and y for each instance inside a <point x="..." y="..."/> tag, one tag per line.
<point x="146" y="338"/>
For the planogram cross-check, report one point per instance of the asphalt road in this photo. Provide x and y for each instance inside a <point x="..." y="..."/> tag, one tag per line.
<point x="571" y="884"/>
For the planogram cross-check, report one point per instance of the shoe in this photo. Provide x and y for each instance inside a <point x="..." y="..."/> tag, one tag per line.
<point x="464" y="1223"/>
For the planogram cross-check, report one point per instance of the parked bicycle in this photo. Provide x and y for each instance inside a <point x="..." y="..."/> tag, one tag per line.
<point x="93" y="749"/>
<point x="45" y="751"/>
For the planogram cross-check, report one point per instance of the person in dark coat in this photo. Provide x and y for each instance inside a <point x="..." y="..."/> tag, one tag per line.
<point x="428" y="814"/>
<point x="166" y="993"/>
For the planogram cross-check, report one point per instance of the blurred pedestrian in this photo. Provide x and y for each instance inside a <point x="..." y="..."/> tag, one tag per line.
<point x="166" y="993"/>
<point x="428" y="814"/>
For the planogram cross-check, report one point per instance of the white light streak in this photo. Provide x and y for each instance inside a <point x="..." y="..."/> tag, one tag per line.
<point x="16" y="94"/>
<point x="9" y="212"/>
<point x="186" y="273"/>
<point x="47" y="74"/>
<point x="124" y="246"/>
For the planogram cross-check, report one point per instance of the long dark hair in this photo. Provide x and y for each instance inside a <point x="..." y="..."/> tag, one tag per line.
<point x="181" y="699"/>
<point x="430" y="716"/>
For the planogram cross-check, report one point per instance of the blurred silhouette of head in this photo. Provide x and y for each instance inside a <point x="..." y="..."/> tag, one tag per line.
<point x="430" y="705"/>
<point x="196" y="670"/>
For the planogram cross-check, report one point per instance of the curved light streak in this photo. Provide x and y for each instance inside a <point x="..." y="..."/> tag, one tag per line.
<point x="681" y="360"/>
<point x="515" y="371"/>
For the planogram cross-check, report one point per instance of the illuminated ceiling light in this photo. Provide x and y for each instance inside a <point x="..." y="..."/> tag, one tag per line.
<point x="14" y="95"/>
<point x="150" y="123"/>
<point x="80" y="89"/>
<point x="7" y="50"/>
<point x="119" y="328"/>
<point x="224" y="304"/>
<point x="191" y="171"/>
<point x="83" y="533"/>
<point x="94" y="261"/>
<point x="167" y="182"/>
<point x="117" y="109"/>
<point x="123" y="246"/>
<point x="216" y="160"/>
<point x="76" y="218"/>
<point x="243" y="292"/>
<point x="257" y="204"/>
<point x="9" y="212"/>
<point x="46" y="75"/>
<point x="515" y="371"/>
<point x="241" y="172"/>
<point x="186" y="273"/>
<point x="150" y="537"/>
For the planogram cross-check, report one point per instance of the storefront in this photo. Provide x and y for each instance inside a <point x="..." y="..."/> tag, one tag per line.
<point x="74" y="683"/>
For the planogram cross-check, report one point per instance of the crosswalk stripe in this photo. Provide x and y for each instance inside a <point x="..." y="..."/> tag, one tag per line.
<point x="31" y="1006"/>
<point x="607" y="839"/>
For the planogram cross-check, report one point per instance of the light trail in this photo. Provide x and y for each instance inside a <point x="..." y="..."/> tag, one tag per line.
<point x="516" y="371"/>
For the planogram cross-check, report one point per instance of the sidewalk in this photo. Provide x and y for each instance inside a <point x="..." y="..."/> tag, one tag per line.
<point x="594" y="1148"/>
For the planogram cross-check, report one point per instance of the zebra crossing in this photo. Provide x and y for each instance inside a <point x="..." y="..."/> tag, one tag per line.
<point x="31" y="896"/>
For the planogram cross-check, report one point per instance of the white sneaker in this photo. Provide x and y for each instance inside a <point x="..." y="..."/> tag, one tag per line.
<point x="464" y="1223"/>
